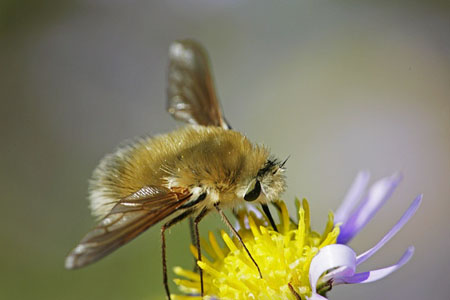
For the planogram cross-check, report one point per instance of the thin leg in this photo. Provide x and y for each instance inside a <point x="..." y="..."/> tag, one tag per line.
<point x="191" y="229"/>
<point x="190" y="204"/>
<point x="296" y="295"/>
<point x="193" y="240"/>
<point x="225" y="219"/>
<point x="167" y="225"/>
<point x="197" y="239"/>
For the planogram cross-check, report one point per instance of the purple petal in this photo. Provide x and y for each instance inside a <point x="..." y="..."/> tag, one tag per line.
<point x="354" y="195"/>
<point x="403" y="220"/>
<point x="378" y="194"/>
<point x="331" y="257"/>
<point x="375" y="275"/>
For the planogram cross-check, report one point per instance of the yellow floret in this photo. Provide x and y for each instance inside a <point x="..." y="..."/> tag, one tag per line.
<point x="284" y="258"/>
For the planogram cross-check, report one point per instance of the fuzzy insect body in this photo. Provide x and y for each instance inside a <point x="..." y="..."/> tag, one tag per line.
<point x="189" y="172"/>
<point x="200" y="159"/>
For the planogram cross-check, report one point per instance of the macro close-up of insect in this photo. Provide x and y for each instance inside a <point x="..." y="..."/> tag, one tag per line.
<point x="146" y="150"/>
<point x="202" y="167"/>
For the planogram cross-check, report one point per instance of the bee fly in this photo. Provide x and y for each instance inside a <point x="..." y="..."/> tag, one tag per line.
<point x="189" y="172"/>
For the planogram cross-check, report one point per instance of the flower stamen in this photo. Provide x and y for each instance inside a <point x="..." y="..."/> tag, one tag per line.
<point x="283" y="257"/>
<point x="297" y="262"/>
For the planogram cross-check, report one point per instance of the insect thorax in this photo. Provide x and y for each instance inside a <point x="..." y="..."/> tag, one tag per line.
<point x="193" y="156"/>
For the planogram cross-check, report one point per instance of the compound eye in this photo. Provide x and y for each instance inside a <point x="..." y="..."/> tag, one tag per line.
<point x="253" y="191"/>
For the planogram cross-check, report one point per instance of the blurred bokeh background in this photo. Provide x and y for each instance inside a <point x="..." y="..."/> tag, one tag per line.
<point x="338" y="85"/>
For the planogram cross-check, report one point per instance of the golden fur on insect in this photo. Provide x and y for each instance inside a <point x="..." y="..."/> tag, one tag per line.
<point x="221" y="162"/>
<point x="187" y="173"/>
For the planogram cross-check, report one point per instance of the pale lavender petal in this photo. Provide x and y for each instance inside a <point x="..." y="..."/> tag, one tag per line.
<point x="403" y="220"/>
<point x="354" y="195"/>
<point x="331" y="257"/>
<point x="375" y="275"/>
<point x="378" y="194"/>
<point x="257" y="212"/>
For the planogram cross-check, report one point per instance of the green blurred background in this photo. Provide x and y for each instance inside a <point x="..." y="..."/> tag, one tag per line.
<point x="338" y="85"/>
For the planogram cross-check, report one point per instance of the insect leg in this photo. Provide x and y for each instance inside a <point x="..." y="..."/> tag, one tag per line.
<point x="191" y="220"/>
<point x="228" y="223"/>
<point x="193" y="241"/>
<point x="296" y="295"/>
<point x="194" y="202"/>
<point x="197" y="239"/>
<point x="167" y="225"/>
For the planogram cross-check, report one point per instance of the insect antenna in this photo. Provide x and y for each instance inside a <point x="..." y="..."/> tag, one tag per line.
<point x="228" y="223"/>
<point x="284" y="162"/>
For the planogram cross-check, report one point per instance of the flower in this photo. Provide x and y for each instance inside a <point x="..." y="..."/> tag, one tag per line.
<point x="336" y="264"/>
<point x="296" y="262"/>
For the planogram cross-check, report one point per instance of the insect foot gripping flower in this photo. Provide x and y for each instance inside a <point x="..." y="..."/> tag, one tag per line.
<point x="296" y="262"/>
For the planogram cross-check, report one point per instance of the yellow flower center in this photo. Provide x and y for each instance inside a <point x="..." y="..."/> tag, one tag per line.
<point x="284" y="258"/>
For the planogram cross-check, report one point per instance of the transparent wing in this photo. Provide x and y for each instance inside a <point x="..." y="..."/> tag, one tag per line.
<point x="191" y="94"/>
<point x="128" y="218"/>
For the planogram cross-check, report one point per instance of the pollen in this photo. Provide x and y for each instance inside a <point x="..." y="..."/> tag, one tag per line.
<point x="284" y="258"/>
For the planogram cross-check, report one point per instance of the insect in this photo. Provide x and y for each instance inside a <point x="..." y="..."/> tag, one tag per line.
<point x="202" y="167"/>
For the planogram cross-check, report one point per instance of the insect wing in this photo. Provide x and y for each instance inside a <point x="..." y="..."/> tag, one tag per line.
<point x="128" y="218"/>
<point x="191" y="94"/>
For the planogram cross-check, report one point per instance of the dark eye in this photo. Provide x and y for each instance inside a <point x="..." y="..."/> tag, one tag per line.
<point x="254" y="192"/>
